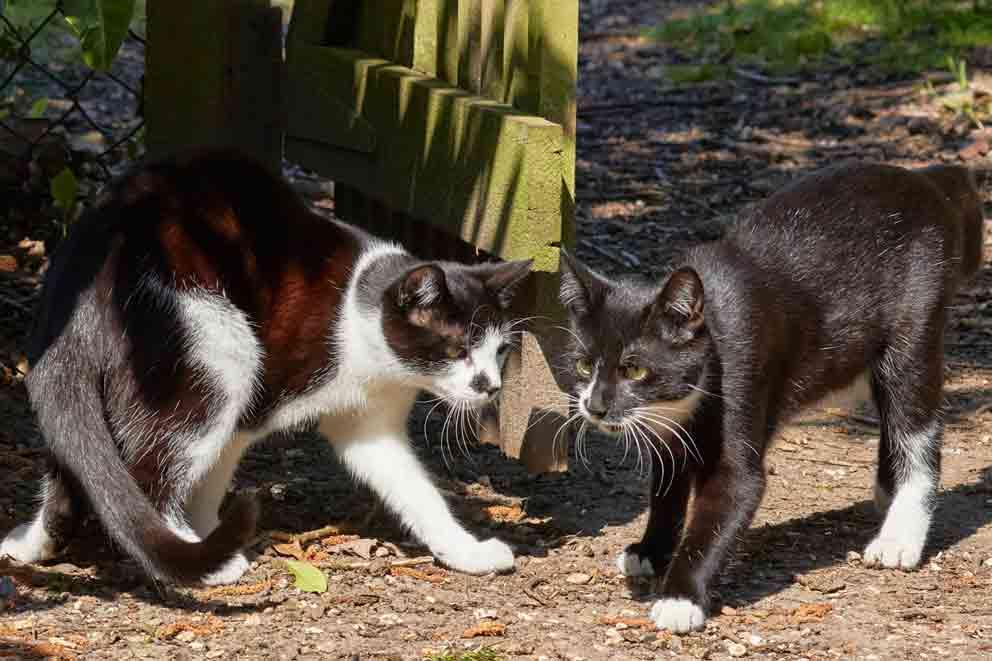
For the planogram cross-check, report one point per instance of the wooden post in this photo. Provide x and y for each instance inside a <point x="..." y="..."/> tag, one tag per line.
<point x="213" y="77"/>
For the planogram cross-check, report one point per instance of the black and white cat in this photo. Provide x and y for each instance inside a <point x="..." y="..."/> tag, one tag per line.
<point x="844" y="276"/>
<point x="201" y="307"/>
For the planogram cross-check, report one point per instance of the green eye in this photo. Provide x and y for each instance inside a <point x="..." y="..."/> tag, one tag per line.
<point x="635" y="372"/>
<point x="455" y="352"/>
<point x="583" y="367"/>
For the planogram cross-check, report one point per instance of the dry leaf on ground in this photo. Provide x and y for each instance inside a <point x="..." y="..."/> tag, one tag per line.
<point x="291" y="549"/>
<point x="485" y="629"/>
<point x="235" y="590"/>
<point x="642" y="622"/>
<point x="810" y="613"/>
<point x="504" y="513"/>
<point x="434" y="577"/>
<point x="204" y="627"/>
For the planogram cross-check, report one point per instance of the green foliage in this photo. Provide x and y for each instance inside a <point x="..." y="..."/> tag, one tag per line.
<point x="100" y="26"/>
<point x="786" y="35"/>
<point x="64" y="189"/>
<point x="308" y="577"/>
<point x="481" y="654"/>
<point x="696" y="73"/>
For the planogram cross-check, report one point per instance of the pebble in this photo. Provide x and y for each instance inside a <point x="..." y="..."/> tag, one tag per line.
<point x="736" y="649"/>
<point x="197" y="646"/>
<point x="987" y="563"/>
<point x="853" y="556"/>
<point x="186" y="636"/>
<point x="578" y="578"/>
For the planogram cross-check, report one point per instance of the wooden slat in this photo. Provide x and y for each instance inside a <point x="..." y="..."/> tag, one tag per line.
<point x="492" y="26"/>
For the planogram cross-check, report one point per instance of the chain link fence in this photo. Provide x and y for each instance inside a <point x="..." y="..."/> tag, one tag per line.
<point x="57" y="113"/>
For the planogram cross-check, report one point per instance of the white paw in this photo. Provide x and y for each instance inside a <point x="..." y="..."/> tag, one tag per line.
<point x="677" y="615"/>
<point x="894" y="552"/>
<point x="485" y="557"/>
<point x="28" y="543"/>
<point x="632" y="564"/>
<point x="230" y="572"/>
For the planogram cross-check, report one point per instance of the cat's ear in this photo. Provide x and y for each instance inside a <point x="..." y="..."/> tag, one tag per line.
<point x="679" y="306"/>
<point x="580" y="286"/>
<point x="422" y="287"/>
<point x="503" y="279"/>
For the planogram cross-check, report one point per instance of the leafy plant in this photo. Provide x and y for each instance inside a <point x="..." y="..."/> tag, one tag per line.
<point x="308" y="577"/>
<point x="100" y="26"/>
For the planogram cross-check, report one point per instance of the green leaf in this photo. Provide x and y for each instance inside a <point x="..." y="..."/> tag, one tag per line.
<point x="100" y="26"/>
<point x="38" y="108"/>
<point x="308" y="577"/>
<point x="64" y="189"/>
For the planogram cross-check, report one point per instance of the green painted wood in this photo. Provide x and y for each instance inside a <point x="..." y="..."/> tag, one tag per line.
<point x="481" y="170"/>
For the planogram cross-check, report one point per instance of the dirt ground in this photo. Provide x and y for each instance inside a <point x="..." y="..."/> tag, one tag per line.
<point x="659" y="167"/>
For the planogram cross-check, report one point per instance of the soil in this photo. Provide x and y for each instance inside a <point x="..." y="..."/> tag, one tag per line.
<point x="659" y="168"/>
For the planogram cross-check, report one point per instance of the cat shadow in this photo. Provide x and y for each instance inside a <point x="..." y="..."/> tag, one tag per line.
<point x="770" y="558"/>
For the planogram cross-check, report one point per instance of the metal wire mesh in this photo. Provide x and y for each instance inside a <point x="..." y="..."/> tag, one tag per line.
<point x="52" y="103"/>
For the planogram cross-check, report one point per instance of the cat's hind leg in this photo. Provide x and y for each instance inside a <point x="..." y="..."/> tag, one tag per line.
<point x="908" y="390"/>
<point x="53" y="524"/>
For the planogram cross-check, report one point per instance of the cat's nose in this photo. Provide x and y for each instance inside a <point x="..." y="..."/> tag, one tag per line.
<point x="483" y="385"/>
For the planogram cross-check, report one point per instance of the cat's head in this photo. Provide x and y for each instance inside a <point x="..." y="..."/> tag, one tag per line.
<point x="638" y="352"/>
<point x="450" y="326"/>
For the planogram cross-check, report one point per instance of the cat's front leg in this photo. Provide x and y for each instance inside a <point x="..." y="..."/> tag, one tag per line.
<point x="669" y="498"/>
<point x="725" y="499"/>
<point x="383" y="459"/>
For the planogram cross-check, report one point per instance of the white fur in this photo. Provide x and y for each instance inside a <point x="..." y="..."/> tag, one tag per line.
<point x="30" y="542"/>
<point x="632" y="564"/>
<point x="228" y="357"/>
<point x="900" y="542"/>
<point x="677" y="615"/>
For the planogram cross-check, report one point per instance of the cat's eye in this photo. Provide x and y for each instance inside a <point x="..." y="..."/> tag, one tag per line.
<point x="583" y="367"/>
<point x="635" y="372"/>
<point x="455" y="352"/>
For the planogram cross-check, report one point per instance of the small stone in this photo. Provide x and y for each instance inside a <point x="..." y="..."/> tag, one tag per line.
<point x="853" y="556"/>
<point x="484" y="613"/>
<point x="727" y="610"/>
<point x="755" y="640"/>
<point x="253" y="620"/>
<point x="186" y="636"/>
<point x="197" y="645"/>
<point x="736" y="649"/>
<point x="613" y="636"/>
<point x="578" y="578"/>
<point x="382" y="552"/>
<point x="987" y="563"/>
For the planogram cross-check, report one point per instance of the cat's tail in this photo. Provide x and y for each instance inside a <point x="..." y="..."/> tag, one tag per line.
<point x="958" y="184"/>
<point x="67" y="399"/>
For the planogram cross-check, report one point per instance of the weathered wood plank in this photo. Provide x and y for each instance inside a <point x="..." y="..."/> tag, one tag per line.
<point x="455" y="159"/>
<point x="222" y="90"/>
